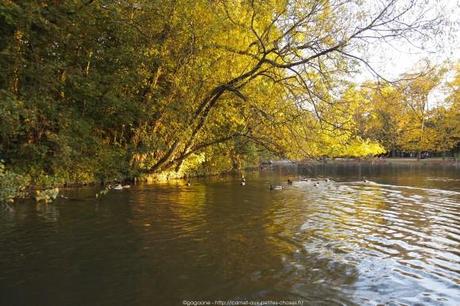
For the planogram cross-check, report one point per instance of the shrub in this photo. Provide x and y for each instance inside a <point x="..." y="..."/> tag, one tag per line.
<point x="12" y="185"/>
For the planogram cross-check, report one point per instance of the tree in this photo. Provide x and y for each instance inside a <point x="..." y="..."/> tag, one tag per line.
<point x="448" y="117"/>
<point x="299" y="46"/>
<point x="417" y="123"/>
<point x="384" y="123"/>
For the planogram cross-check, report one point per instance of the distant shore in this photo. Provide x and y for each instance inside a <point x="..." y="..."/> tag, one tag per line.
<point x="448" y="161"/>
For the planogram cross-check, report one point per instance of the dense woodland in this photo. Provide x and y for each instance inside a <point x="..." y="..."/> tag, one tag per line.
<point x="96" y="91"/>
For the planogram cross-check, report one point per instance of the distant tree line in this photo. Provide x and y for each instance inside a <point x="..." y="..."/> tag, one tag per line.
<point x="407" y="116"/>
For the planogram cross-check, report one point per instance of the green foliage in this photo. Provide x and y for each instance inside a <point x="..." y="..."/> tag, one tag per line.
<point x="46" y="195"/>
<point x="12" y="185"/>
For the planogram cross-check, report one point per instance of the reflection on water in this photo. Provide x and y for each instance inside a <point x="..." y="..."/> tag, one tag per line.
<point x="393" y="240"/>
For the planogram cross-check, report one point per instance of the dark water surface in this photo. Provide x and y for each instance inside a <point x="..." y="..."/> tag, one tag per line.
<point x="394" y="241"/>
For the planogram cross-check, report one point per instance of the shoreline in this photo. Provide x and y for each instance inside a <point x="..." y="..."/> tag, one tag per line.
<point x="341" y="162"/>
<point x="383" y="161"/>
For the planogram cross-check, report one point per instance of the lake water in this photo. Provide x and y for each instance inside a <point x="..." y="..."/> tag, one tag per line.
<point x="395" y="240"/>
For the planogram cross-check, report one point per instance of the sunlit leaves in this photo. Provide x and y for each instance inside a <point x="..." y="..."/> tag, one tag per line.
<point x="107" y="89"/>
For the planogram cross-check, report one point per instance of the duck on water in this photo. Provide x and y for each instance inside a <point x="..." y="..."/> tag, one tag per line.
<point x="120" y="187"/>
<point x="276" y="187"/>
<point x="243" y="181"/>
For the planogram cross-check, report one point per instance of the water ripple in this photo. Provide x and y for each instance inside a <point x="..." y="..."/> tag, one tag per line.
<point x="414" y="233"/>
<point x="340" y="243"/>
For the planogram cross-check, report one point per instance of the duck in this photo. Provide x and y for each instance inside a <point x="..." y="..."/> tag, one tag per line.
<point x="103" y="192"/>
<point x="117" y="187"/>
<point x="276" y="187"/>
<point x="316" y="184"/>
<point x="289" y="182"/>
<point x="188" y="184"/>
<point x="243" y="180"/>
